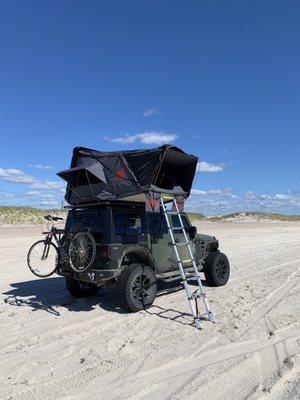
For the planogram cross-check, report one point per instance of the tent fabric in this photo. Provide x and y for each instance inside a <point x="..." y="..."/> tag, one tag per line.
<point x="96" y="176"/>
<point x="89" y="174"/>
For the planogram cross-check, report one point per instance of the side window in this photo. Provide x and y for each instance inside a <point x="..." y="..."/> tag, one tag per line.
<point x="129" y="224"/>
<point x="176" y="222"/>
<point x="157" y="224"/>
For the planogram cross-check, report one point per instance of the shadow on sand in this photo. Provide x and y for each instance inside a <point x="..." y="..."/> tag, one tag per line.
<point x="50" y="294"/>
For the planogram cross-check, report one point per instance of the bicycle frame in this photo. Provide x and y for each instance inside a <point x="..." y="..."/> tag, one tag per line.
<point x="55" y="234"/>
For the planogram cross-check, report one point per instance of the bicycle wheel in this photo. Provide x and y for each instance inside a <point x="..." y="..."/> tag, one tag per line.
<point x="82" y="251"/>
<point x="42" y="258"/>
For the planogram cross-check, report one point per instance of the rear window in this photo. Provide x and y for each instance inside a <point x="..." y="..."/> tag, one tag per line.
<point x="87" y="219"/>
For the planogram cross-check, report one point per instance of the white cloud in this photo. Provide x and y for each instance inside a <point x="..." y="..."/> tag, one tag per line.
<point x="152" y="137"/>
<point x="34" y="193"/>
<point x="265" y="196"/>
<point x="125" y="139"/>
<point x="156" y="137"/>
<point x="199" y="192"/>
<point x="204" y="166"/>
<point x="45" y="184"/>
<point x="15" y="176"/>
<point x="34" y="198"/>
<point x="4" y="196"/>
<point x="150" y="111"/>
<point x="280" y="196"/>
<point x="41" y="166"/>
<point x="221" y="192"/>
<point x="51" y="203"/>
<point x="224" y="201"/>
<point x="249" y="195"/>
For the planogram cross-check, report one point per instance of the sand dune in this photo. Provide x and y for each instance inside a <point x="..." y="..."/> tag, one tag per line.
<point x="56" y="347"/>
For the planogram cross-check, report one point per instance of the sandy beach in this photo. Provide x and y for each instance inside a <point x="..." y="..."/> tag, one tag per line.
<point x="56" y="347"/>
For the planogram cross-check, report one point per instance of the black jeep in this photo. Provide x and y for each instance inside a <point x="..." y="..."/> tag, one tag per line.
<point x="134" y="249"/>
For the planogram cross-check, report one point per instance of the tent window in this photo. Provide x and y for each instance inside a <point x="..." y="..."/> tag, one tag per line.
<point x="83" y="180"/>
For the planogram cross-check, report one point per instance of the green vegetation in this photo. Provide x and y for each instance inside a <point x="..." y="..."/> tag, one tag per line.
<point x="25" y="215"/>
<point x="29" y="215"/>
<point x="257" y="215"/>
<point x="196" y="216"/>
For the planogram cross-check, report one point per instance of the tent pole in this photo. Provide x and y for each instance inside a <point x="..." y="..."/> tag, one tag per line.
<point x="87" y="176"/>
<point x="74" y="191"/>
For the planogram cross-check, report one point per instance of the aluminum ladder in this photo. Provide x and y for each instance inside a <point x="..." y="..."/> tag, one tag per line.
<point x="198" y="294"/>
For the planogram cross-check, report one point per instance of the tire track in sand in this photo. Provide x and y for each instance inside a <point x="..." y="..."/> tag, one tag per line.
<point x="272" y="300"/>
<point x="174" y="370"/>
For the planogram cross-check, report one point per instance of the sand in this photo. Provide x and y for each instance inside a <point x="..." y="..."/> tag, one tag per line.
<point x="56" y="347"/>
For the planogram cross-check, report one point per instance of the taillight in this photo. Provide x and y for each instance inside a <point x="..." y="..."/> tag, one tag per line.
<point x="105" y="251"/>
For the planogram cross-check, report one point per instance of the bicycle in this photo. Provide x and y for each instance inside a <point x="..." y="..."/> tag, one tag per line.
<point x="44" y="256"/>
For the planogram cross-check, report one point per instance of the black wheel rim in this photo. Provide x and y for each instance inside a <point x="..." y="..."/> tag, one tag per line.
<point x="221" y="269"/>
<point x="141" y="288"/>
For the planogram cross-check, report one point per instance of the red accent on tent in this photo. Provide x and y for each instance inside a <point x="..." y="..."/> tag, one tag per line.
<point x="121" y="174"/>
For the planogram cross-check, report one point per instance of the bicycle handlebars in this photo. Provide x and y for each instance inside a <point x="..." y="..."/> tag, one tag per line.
<point x="52" y="218"/>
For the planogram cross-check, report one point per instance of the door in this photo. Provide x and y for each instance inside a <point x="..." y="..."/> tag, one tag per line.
<point x="179" y="238"/>
<point x="160" y="242"/>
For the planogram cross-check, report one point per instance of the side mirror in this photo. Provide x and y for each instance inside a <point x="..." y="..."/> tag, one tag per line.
<point x="193" y="231"/>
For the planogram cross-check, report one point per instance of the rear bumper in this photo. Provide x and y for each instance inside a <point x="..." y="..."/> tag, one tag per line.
<point x="92" y="275"/>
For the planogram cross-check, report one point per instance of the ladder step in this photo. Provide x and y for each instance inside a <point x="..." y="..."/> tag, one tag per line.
<point x="186" y="261"/>
<point x="181" y="244"/>
<point x="189" y="279"/>
<point x="177" y="228"/>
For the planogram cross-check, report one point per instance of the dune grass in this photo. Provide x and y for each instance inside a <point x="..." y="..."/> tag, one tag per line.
<point x="257" y="215"/>
<point x="28" y="215"/>
<point x="25" y="215"/>
<point x="196" y="216"/>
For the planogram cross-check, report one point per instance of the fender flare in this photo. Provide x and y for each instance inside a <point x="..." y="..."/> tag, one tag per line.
<point x="139" y="250"/>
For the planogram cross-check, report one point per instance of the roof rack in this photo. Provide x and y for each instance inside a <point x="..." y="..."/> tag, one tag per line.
<point x="111" y="203"/>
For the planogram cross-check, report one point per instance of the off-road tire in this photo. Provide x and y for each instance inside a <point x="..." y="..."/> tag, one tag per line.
<point x="216" y="269"/>
<point x="81" y="289"/>
<point x="126" y="287"/>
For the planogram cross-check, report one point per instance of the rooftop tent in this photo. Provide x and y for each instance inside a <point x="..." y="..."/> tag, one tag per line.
<point x="127" y="175"/>
<point x="88" y="175"/>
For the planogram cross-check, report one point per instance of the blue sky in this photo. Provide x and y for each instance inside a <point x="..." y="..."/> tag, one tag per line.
<point x="219" y="79"/>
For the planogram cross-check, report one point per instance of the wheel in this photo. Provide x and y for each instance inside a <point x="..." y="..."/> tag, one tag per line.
<point x="136" y="287"/>
<point x="81" y="289"/>
<point x="42" y="258"/>
<point x="82" y="251"/>
<point x="216" y="269"/>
